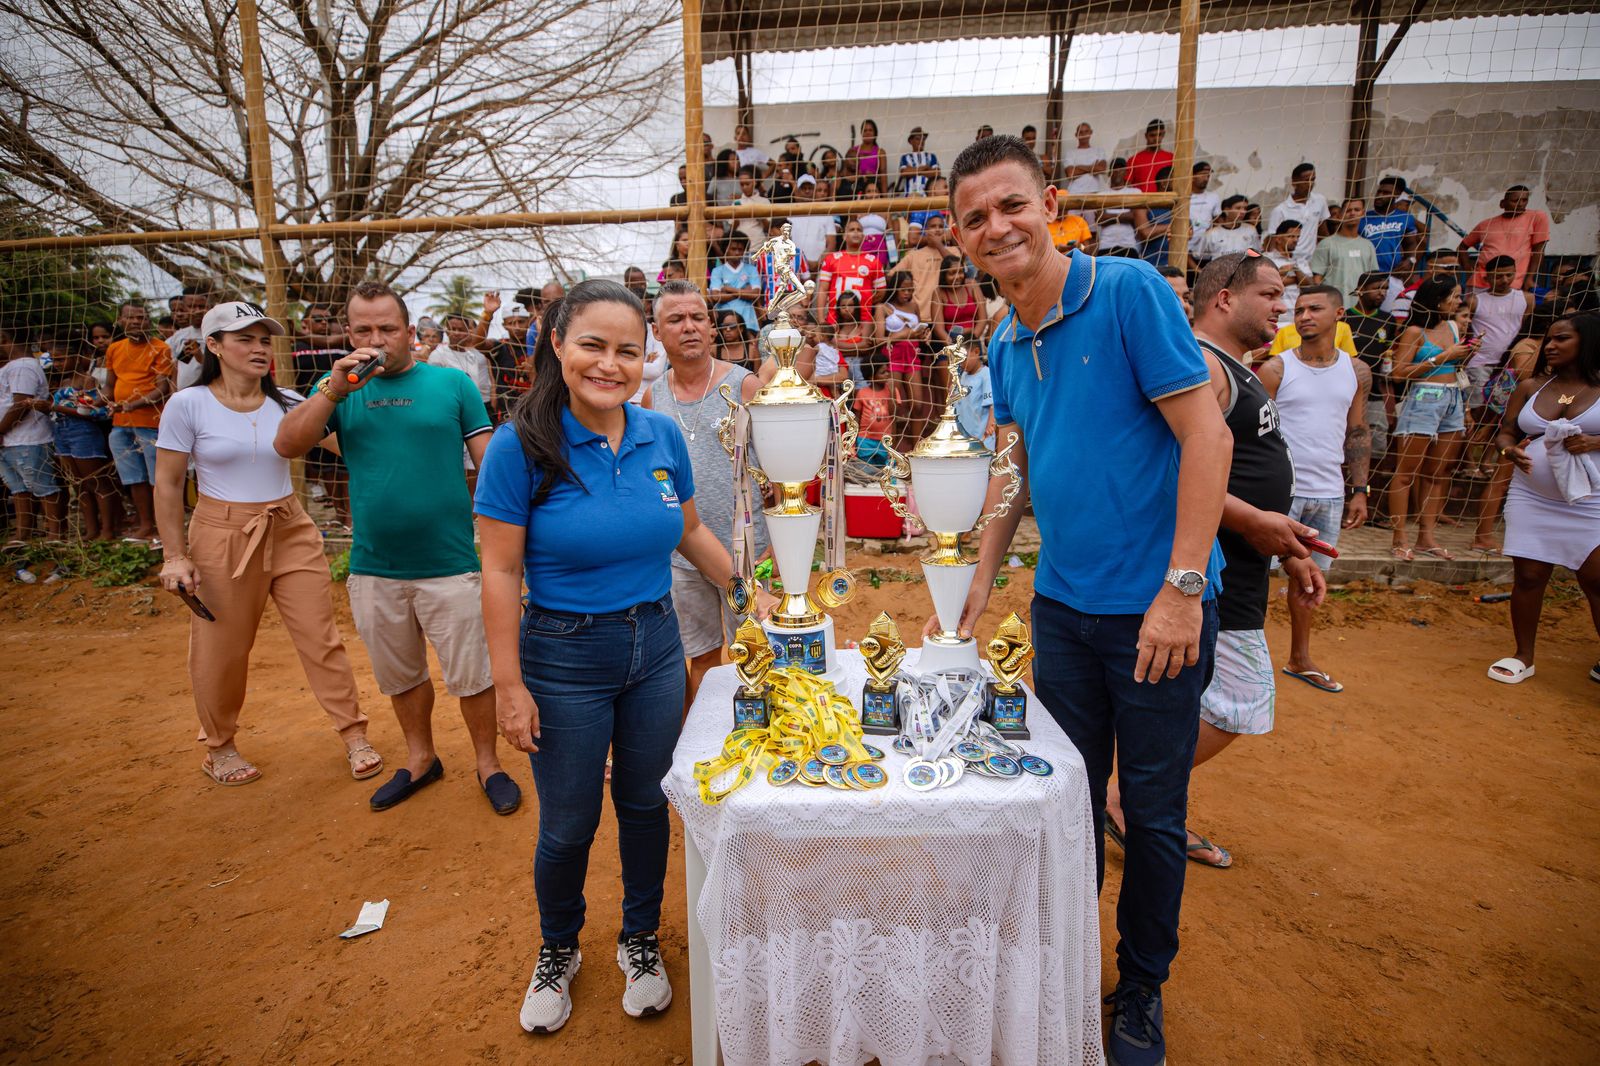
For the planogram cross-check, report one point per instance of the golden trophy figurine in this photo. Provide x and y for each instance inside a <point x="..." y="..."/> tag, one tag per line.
<point x="1005" y="704"/>
<point x="882" y="650"/>
<point x="752" y="657"/>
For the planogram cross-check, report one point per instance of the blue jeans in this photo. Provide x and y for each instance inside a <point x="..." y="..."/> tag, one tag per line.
<point x="1084" y="674"/>
<point x="133" y="448"/>
<point x="602" y="681"/>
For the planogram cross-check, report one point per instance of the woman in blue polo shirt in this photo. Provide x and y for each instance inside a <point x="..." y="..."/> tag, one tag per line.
<point x="587" y="496"/>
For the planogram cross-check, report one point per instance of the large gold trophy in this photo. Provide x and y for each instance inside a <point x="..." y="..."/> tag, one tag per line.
<point x="798" y="434"/>
<point x="949" y="474"/>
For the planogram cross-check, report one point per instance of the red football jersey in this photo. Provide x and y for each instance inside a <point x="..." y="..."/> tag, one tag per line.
<point x="857" y="272"/>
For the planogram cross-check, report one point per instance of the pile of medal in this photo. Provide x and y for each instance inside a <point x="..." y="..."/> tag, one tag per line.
<point x="814" y="737"/>
<point x="944" y="734"/>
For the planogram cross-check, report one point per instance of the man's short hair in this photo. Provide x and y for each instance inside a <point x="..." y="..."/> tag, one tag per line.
<point x="1231" y="271"/>
<point x="1285" y="226"/>
<point x="1372" y="277"/>
<point x="1199" y="165"/>
<point x="1119" y="163"/>
<point x="1302" y="170"/>
<point x="376" y="290"/>
<point x="1236" y="198"/>
<point x="454" y="317"/>
<point x="1170" y="271"/>
<point x="1330" y="291"/>
<point x="1155" y="124"/>
<point x="1518" y="188"/>
<point x="987" y="152"/>
<point x="677" y="287"/>
<point x="1391" y="179"/>
<point x="1029" y="129"/>
<point x="1443" y="253"/>
<point x="1500" y="262"/>
<point x="125" y="304"/>
<point x="173" y="300"/>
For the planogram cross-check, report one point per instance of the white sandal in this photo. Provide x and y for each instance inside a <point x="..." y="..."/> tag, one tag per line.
<point x="1517" y="671"/>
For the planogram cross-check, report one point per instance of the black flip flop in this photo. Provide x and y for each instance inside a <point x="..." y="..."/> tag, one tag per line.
<point x="1113" y="832"/>
<point x="1191" y="851"/>
<point x="504" y="795"/>
<point x="400" y="787"/>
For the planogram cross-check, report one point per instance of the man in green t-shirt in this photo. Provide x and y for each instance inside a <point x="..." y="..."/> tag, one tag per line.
<point x="413" y="569"/>
<point x="1344" y="255"/>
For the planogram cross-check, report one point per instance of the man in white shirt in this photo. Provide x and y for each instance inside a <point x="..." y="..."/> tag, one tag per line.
<point x="1204" y="205"/>
<point x="749" y="154"/>
<point x="1117" y="235"/>
<point x="814" y="235"/>
<point x="457" y="351"/>
<point x="750" y="193"/>
<point x="188" y="311"/>
<point x="1229" y="234"/>
<point x="1306" y="207"/>
<point x="27" y="452"/>
<point x="1084" y="167"/>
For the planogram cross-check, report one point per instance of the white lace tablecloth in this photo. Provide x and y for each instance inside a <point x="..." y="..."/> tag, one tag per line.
<point x="958" y="925"/>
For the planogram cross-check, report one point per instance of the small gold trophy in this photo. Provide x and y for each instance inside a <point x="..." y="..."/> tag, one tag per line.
<point x="1005" y="705"/>
<point x="881" y="650"/>
<point x="752" y="658"/>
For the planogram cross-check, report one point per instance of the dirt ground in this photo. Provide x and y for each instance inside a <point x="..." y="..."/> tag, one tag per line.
<point x="1417" y="860"/>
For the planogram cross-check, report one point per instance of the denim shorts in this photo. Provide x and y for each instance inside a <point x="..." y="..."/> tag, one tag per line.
<point x="1429" y="410"/>
<point x="29" y="468"/>
<point x="1321" y="514"/>
<point x="134" y="450"/>
<point x="79" y="438"/>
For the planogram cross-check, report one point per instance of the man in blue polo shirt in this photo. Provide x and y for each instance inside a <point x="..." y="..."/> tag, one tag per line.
<point x="1096" y="369"/>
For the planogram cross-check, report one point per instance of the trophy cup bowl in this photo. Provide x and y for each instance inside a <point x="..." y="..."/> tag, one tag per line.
<point x="949" y="474"/>
<point x="790" y="426"/>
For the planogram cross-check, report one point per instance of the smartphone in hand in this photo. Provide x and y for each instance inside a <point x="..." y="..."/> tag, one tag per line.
<point x="195" y="605"/>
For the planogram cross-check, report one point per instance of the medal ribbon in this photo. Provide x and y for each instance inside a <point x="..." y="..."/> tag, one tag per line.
<point x="833" y="497"/>
<point x="808" y="715"/>
<point x="744" y="535"/>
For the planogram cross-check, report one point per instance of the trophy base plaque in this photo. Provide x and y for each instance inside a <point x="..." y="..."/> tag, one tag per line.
<point x="939" y="655"/>
<point x="750" y="711"/>
<point x="809" y="648"/>
<point x="880" y="712"/>
<point x="1006" y="711"/>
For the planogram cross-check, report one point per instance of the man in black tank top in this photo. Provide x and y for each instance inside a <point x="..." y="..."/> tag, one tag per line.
<point x="1237" y="301"/>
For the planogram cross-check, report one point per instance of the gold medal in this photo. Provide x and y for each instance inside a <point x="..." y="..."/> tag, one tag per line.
<point x="836" y="588"/>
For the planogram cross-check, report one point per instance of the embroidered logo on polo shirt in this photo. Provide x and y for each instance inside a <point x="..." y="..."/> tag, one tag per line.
<point x="664" y="486"/>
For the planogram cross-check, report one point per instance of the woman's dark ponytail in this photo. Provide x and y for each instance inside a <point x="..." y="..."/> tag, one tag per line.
<point x="537" y="415"/>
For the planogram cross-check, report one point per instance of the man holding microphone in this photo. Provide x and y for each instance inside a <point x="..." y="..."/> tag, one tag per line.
<point x="414" y="574"/>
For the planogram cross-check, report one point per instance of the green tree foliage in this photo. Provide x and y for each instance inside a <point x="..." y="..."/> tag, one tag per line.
<point x="457" y="297"/>
<point x="53" y="290"/>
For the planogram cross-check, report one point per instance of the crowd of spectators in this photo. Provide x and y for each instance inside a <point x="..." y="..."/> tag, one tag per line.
<point x="79" y="409"/>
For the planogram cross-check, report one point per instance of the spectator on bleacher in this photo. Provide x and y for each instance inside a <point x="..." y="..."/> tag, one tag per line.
<point x="827" y="168"/>
<point x="1497" y="317"/>
<point x="875" y="413"/>
<point x="78" y="409"/>
<point x="1548" y="523"/>
<point x="849" y="270"/>
<point x="633" y="280"/>
<point x="165" y="327"/>
<point x="939" y="186"/>
<point x="1228" y="235"/>
<point x="414" y="574"/>
<point x="1117" y="233"/>
<point x="1390" y="226"/>
<point x="139" y="378"/>
<point x="814" y="235"/>
<point x="1030" y="137"/>
<point x="1443" y="264"/>
<point x="919" y="166"/>
<point x="853" y="338"/>
<point x="27" y="440"/>
<point x="1280" y="252"/>
<point x="875" y="238"/>
<point x="1518" y="367"/>
<point x="457" y="352"/>
<point x="922" y="263"/>
<point x="724" y="186"/>
<point x="984" y="130"/>
<point x="682" y="195"/>
<point x="1205" y="207"/>
<point x="736" y="283"/>
<point x="754" y="229"/>
<point x="1306" y="206"/>
<point x="1373" y="334"/>
<point x="678" y="250"/>
<point x="794" y="159"/>
<point x="1084" y="166"/>
<point x="1344" y="255"/>
<point x="1178" y="281"/>
<point x="1154" y="224"/>
<point x="735" y="343"/>
<point x="1516" y="232"/>
<point x="867" y="159"/>
<point x="781" y="188"/>
<point x="957" y="303"/>
<point x="1144" y="169"/>
<point x="749" y="155"/>
<point x="1070" y="231"/>
<point x="509" y="357"/>
<point x="188" y="309"/>
<point x="1432" y="416"/>
<point x="250" y="539"/>
<point x="1252" y="218"/>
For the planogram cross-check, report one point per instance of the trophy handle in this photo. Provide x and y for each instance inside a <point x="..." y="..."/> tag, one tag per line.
<point x="898" y="466"/>
<point x="849" y="427"/>
<point x="725" y="433"/>
<point x="1000" y="465"/>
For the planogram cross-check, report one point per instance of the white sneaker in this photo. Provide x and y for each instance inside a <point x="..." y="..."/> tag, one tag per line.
<point x="648" y="990"/>
<point x="548" y="1004"/>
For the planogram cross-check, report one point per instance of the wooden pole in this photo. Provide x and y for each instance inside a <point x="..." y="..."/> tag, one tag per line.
<point x="1183" y="149"/>
<point x="260" y="146"/>
<point x="693" y="130"/>
<point x="1355" y="160"/>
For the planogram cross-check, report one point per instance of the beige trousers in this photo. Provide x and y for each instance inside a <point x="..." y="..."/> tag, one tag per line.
<point x="245" y="552"/>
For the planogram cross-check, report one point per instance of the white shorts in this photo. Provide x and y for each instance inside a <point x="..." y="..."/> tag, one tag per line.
<point x="705" y="622"/>
<point x="1242" y="691"/>
<point x="398" y="618"/>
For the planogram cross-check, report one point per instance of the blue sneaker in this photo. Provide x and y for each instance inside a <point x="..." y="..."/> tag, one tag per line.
<point x="1136" y="1037"/>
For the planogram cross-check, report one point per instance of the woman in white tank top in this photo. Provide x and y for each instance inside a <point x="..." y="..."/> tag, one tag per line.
<point x="249" y="539"/>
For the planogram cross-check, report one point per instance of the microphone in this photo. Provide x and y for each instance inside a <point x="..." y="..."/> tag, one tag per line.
<point x="364" y="371"/>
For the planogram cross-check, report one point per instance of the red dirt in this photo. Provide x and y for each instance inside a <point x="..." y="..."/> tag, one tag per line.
<point x="1415" y="880"/>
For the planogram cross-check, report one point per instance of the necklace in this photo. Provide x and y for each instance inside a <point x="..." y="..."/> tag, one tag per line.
<point x="699" y="411"/>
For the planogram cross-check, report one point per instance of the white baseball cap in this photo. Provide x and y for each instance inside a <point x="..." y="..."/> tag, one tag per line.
<point x="514" y="311"/>
<point x="225" y="318"/>
<point x="806" y="179"/>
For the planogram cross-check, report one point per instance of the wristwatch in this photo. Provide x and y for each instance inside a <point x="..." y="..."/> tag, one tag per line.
<point x="1365" y="490"/>
<point x="1188" y="582"/>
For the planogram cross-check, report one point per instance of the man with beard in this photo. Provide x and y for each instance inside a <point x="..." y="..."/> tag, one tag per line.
<point x="1238" y="299"/>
